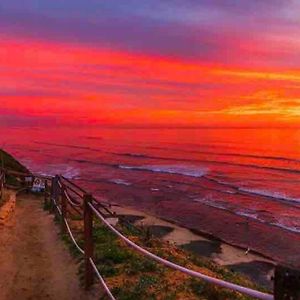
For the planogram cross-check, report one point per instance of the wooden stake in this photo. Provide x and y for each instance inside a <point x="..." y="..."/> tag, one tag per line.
<point x="88" y="241"/>
<point x="63" y="210"/>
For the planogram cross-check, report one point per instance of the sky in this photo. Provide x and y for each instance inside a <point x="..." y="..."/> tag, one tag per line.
<point x="150" y="62"/>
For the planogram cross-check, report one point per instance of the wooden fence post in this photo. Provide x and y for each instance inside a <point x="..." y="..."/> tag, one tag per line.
<point x="63" y="210"/>
<point x="286" y="283"/>
<point x="53" y="193"/>
<point x="88" y="240"/>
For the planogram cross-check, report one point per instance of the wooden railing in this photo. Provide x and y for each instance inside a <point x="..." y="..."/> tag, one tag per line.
<point x="65" y="199"/>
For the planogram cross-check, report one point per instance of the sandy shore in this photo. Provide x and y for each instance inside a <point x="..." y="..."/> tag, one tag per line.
<point x="255" y="266"/>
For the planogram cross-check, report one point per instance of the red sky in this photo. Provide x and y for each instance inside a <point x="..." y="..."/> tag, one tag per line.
<point x="213" y="73"/>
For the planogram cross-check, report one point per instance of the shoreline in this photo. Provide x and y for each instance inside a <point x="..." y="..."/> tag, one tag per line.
<point x="277" y="245"/>
<point x="256" y="266"/>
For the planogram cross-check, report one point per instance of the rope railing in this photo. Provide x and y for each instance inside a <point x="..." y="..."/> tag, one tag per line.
<point x="70" y="199"/>
<point x="60" y="184"/>
<point x="77" y="210"/>
<point x="78" y="194"/>
<point x="73" y="184"/>
<point x="219" y="282"/>
<point x="101" y="280"/>
<point x="72" y="237"/>
<point x="57" y="207"/>
<point x="106" y="288"/>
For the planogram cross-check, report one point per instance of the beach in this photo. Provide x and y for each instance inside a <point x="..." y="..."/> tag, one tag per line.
<point x="257" y="267"/>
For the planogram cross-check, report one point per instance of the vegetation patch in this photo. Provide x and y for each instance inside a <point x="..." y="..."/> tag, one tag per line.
<point x="132" y="276"/>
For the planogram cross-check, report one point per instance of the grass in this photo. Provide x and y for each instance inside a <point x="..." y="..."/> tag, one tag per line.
<point x="132" y="276"/>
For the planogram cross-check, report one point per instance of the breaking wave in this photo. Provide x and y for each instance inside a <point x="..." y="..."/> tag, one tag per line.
<point x="64" y="170"/>
<point x="120" y="182"/>
<point x="276" y="196"/>
<point x="184" y="170"/>
<point x="211" y="161"/>
<point x="254" y="215"/>
<point x="270" y="194"/>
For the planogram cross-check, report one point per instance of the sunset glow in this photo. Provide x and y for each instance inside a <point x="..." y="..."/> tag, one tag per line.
<point x="180" y="64"/>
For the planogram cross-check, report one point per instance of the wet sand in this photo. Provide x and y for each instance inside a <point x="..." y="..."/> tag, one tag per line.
<point x="271" y="242"/>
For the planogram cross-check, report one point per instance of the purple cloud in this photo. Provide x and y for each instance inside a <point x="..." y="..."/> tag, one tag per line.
<point x="211" y="31"/>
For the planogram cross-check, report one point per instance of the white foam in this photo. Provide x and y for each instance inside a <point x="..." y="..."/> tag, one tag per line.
<point x="290" y="228"/>
<point x="250" y="215"/>
<point x="120" y="182"/>
<point x="209" y="202"/>
<point x="186" y="170"/>
<point x="268" y="193"/>
<point x="61" y="169"/>
<point x="246" y="213"/>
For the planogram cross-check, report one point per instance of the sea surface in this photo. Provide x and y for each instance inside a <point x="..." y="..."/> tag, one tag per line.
<point x="253" y="173"/>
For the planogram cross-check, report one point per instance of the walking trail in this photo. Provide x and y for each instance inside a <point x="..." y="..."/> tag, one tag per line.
<point x="34" y="262"/>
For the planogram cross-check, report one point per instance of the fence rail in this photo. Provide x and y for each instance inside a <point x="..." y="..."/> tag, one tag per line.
<point x="62" y="194"/>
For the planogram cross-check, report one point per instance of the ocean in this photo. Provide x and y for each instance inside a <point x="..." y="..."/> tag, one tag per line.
<point x="250" y="173"/>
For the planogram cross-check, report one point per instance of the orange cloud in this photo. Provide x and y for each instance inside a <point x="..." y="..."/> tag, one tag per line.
<point x="73" y="82"/>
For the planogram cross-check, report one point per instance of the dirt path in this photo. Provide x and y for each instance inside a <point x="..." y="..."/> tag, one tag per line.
<point x="34" y="262"/>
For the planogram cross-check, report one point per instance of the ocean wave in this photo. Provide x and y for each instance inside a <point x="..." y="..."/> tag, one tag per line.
<point x="265" y="157"/>
<point x="287" y="227"/>
<point x="65" y="170"/>
<point x="228" y="154"/>
<point x="69" y="146"/>
<point x="120" y="182"/>
<point x="246" y="213"/>
<point x="216" y="162"/>
<point x="138" y="155"/>
<point x="269" y="194"/>
<point x="276" y="196"/>
<point x="96" y="163"/>
<point x="184" y="170"/>
<point x="93" y="137"/>
<point x="209" y="202"/>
